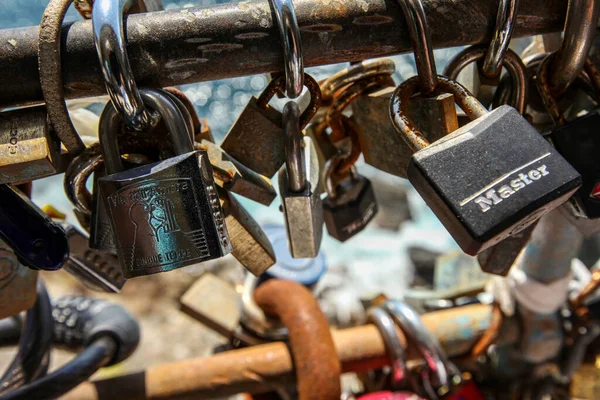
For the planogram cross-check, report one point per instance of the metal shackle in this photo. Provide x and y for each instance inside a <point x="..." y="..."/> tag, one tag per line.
<point x="289" y="32"/>
<point x="354" y="73"/>
<point x="416" y="332"/>
<point x="109" y="38"/>
<point x="278" y="83"/>
<point x="506" y="19"/>
<point x="315" y="358"/>
<point x="420" y="35"/>
<point x="545" y="90"/>
<point x="579" y="32"/>
<point x="165" y="107"/>
<point x="295" y="162"/>
<point x="404" y="125"/>
<point x="393" y="346"/>
<point x="510" y="60"/>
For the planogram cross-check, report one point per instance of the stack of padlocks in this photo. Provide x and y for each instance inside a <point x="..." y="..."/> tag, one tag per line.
<point x="162" y="192"/>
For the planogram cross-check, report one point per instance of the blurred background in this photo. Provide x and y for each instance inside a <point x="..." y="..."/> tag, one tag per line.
<point x="396" y="255"/>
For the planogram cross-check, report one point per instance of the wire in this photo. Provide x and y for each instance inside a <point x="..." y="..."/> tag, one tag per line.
<point x="95" y="356"/>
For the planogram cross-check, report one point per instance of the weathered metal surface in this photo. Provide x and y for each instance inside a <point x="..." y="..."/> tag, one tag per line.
<point x="262" y="368"/>
<point x="316" y="362"/>
<point x="221" y="41"/>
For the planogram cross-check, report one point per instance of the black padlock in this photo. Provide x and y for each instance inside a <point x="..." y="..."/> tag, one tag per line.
<point x="577" y="141"/>
<point x="489" y="179"/>
<point x="349" y="206"/>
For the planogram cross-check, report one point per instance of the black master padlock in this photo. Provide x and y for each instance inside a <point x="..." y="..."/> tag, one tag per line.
<point x="578" y="141"/>
<point x="489" y="179"/>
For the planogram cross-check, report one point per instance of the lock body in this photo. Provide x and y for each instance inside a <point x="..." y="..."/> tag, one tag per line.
<point x="350" y="211"/>
<point x="491" y="179"/>
<point x="579" y="143"/>
<point x="165" y="215"/>
<point x="17" y="284"/>
<point x="29" y="149"/>
<point x="101" y="237"/>
<point x="256" y="139"/>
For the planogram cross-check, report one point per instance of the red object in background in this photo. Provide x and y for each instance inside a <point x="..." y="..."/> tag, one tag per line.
<point x="468" y="391"/>
<point x="390" y="396"/>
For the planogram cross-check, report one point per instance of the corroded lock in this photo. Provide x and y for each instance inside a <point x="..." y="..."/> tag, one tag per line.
<point x="250" y="245"/>
<point x="29" y="148"/>
<point x="489" y="179"/>
<point x="167" y="214"/>
<point x="298" y="180"/>
<point x="256" y="138"/>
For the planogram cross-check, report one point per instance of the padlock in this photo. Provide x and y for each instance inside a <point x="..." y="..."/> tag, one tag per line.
<point x="298" y="180"/>
<point x="17" y="284"/>
<point x="499" y="259"/>
<point x="489" y="179"/>
<point x="576" y="141"/>
<point x="97" y="270"/>
<point x="250" y="245"/>
<point x="101" y="236"/>
<point x="350" y="203"/>
<point x="235" y="177"/>
<point x="256" y="138"/>
<point x="167" y="214"/>
<point x="29" y="148"/>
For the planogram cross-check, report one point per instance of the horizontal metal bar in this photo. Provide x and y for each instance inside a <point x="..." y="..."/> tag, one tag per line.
<point x="265" y="367"/>
<point x="199" y="44"/>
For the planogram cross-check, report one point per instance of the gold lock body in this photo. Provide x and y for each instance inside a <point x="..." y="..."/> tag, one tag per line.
<point x="28" y="148"/>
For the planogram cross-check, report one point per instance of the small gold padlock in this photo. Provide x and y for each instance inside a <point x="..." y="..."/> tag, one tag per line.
<point x="256" y="138"/>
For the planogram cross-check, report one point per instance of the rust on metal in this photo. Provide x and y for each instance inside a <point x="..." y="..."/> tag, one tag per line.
<point x="50" y="73"/>
<point x="178" y="34"/>
<point x="197" y="125"/>
<point x="318" y="368"/>
<point x="354" y="73"/>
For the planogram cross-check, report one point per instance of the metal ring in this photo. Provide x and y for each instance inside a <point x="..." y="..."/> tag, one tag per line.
<point x="294" y="152"/>
<point x="580" y="29"/>
<point x="289" y="31"/>
<point x="416" y="20"/>
<point x="51" y="83"/>
<point x="393" y="346"/>
<point x="356" y="72"/>
<point x="78" y="173"/>
<point x="506" y="19"/>
<point x="510" y="60"/>
<point x="109" y="38"/>
<point x="415" y="331"/>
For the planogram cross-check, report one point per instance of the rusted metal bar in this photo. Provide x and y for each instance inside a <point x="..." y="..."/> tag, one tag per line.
<point x="262" y="368"/>
<point x="221" y="41"/>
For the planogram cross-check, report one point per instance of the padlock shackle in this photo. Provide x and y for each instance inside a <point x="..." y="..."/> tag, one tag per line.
<point x="506" y="19"/>
<point x="545" y="90"/>
<point x="278" y="83"/>
<point x="420" y="35"/>
<point x="109" y="38"/>
<point x="294" y="152"/>
<point x="511" y="61"/>
<point x="354" y="73"/>
<point x="404" y="125"/>
<point x="165" y="106"/>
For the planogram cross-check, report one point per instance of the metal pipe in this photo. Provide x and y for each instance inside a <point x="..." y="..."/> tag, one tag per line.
<point x="175" y="47"/>
<point x="261" y="368"/>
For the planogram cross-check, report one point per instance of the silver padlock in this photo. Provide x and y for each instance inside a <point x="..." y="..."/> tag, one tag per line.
<point x="164" y="215"/>
<point x="298" y="180"/>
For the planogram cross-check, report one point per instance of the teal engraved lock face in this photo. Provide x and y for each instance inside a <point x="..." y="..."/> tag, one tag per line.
<point x="167" y="214"/>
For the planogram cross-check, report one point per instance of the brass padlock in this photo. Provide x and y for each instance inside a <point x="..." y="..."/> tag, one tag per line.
<point x="17" y="284"/>
<point x="256" y="138"/>
<point x="250" y="245"/>
<point x="235" y="177"/>
<point x="29" y="149"/>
